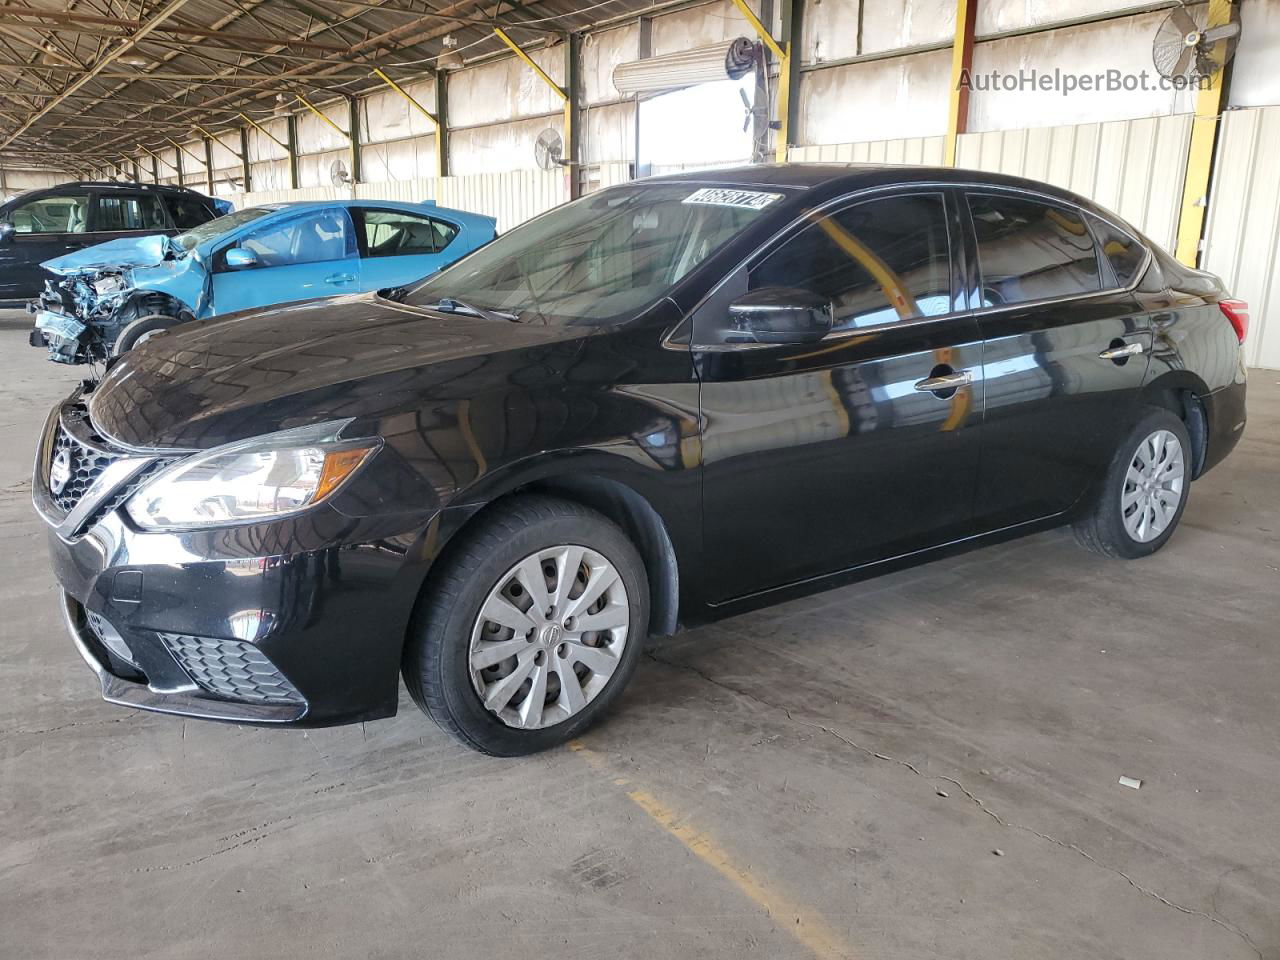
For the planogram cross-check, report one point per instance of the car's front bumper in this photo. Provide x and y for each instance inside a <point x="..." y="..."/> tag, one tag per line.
<point x="293" y="622"/>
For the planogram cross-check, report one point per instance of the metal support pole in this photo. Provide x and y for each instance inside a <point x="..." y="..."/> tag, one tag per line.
<point x="245" y="168"/>
<point x="1204" y="134"/>
<point x="177" y="159"/>
<point x="208" y="164"/>
<point x="353" y="121"/>
<point x="442" y="123"/>
<point x="645" y="52"/>
<point x="961" y="68"/>
<point x="572" y="119"/>
<point x="291" y="129"/>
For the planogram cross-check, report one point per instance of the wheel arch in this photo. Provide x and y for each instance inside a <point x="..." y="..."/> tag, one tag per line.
<point x="1181" y="392"/>
<point x="595" y="483"/>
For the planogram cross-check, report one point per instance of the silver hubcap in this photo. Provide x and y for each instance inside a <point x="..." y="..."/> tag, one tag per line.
<point x="549" y="636"/>
<point x="1153" y="486"/>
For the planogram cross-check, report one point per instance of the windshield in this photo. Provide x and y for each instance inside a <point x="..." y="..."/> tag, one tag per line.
<point x="599" y="259"/>
<point x="216" y="228"/>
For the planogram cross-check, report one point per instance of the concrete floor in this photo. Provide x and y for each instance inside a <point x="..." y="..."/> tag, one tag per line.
<point x="924" y="765"/>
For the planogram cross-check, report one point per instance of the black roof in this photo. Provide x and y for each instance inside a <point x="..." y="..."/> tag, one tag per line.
<point x="110" y="185"/>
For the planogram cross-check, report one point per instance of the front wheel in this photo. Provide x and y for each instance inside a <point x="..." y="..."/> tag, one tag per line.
<point x="143" y="329"/>
<point x="1145" y="490"/>
<point x="532" y="628"/>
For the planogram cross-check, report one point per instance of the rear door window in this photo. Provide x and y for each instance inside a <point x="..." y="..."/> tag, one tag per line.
<point x="67" y="214"/>
<point x="396" y="233"/>
<point x="1030" y="250"/>
<point x="121" y="212"/>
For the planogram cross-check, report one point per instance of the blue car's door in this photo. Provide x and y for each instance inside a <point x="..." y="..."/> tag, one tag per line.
<point x="398" y="247"/>
<point x="299" y="256"/>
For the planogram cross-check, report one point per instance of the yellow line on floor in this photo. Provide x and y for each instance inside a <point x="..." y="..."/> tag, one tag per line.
<point x="804" y="924"/>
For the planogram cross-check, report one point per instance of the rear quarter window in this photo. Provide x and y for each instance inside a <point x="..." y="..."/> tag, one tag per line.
<point x="1125" y="253"/>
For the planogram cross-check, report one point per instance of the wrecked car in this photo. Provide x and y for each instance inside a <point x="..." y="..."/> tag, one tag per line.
<point x="109" y="298"/>
<point x="49" y="222"/>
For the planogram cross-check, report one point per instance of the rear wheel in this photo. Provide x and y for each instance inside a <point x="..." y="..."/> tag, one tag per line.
<point x="1145" y="490"/>
<point x="531" y="630"/>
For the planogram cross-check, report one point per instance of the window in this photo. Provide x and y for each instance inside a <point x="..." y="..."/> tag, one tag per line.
<point x="51" y="215"/>
<point x="311" y="238"/>
<point x="188" y="212"/>
<point x="393" y="233"/>
<point x="1030" y="250"/>
<point x="879" y="261"/>
<point x="126" y="212"/>
<point x="1125" y="254"/>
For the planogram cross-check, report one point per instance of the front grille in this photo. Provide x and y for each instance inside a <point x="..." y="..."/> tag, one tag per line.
<point x="231" y="669"/>
<point x="124" y="492"/>
<point x="84" y="465"/>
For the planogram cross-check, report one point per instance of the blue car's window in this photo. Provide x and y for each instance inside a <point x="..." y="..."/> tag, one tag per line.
<point x="602" y="258"/>
<point x="395" y="233"/>
<point x="223" y="225"/>
<point x="311" y="238"/>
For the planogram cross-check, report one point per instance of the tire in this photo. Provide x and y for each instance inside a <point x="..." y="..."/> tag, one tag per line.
<point x="141" y="329"/>
<point x="1113" y="525"/>
<point x="451" y="632"/>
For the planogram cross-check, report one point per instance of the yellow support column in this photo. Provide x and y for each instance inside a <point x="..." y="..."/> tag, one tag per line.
<point x="440" y="140"/>
<point x="783" y="52"/>
<point x="961" y="66"/>
<point x="351" y="143"/>
<point x="1204" y="132"/>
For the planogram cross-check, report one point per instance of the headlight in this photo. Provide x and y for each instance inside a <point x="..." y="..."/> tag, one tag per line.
<point x="260" y="479"/>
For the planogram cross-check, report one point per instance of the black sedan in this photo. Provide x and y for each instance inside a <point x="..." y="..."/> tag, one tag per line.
<point x="664" y="403"/>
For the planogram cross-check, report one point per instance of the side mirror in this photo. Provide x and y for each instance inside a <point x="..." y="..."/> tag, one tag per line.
<point x="238" y="258"/>
<point x="6" y="232"/>
<point x="779" y="315"/>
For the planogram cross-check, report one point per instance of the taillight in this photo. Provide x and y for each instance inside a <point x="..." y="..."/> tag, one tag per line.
<point x="1237" y="311"/>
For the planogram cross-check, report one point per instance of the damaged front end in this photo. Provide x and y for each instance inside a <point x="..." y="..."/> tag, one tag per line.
<point x="102" y="292"/>
<point x="79" y="316"/>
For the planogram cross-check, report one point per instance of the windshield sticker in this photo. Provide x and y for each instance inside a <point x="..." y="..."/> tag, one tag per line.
<point x="723" y="197"/>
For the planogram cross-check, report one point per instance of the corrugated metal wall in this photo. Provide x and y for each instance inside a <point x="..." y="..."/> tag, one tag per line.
<point x="1134" y="167"/>
<point x="511" y="197"/>
<point x="1242" y="237"/>
<point x="925" y="151"/>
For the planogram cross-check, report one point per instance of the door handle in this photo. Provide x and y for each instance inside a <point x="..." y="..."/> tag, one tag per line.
<point x="1119" y="353"/>
<point x="339" y="278"/>
<point x="945" y="381"/>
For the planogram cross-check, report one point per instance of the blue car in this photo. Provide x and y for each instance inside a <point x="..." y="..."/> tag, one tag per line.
<point x="112" y="296"/>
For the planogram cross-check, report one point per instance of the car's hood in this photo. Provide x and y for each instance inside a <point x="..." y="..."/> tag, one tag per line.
<point x="125" y="252"/>
<point x="242" y="375"/>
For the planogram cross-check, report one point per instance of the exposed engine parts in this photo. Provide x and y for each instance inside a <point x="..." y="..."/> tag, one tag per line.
<point x="91" y="316"/>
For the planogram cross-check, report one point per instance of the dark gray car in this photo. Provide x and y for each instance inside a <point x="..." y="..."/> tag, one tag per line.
<point x="39" y="225"/>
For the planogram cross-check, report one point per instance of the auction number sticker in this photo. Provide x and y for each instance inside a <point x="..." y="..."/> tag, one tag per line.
<point x="722" y="197"/>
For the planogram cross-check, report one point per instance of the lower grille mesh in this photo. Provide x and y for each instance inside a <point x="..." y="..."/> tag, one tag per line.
<point x="232" y="669"/>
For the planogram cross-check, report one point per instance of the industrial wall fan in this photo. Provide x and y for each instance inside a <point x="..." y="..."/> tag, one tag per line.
<point x="1184" y="47"/>
<point x="548" y="149"/>
<point x="339" y="175"/>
